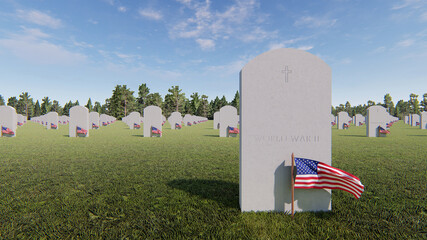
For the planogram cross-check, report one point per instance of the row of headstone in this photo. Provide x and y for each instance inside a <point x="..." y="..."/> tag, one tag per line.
<point x="8" y="121"/>
<point x="416" y="120"/>
<point x="49" y="120"/>
<point x="359" y="120"/>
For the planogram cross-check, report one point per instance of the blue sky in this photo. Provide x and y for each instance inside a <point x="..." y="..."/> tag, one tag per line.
<point x="73" y="50"/>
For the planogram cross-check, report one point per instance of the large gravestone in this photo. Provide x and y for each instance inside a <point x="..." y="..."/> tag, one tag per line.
<point x="423" y="120"/>
<point x="93" y="120"/>
<point x="51" y="120"/>
<point x="8" y="120"/>
<point x="79" y="118"/>
<point x="134" y="120"/>
<point x="276" y="87"/>
<point x="376" y="116"/>
<point x="343" y="118"/>
<point x="415" y="118"/>
<point x="227" y="118"/>
<point x="175" y="118"/>
<point x="216" y="120"/>
<point x="152" y="118"/>
<point x="359" y="119"/>
<point x="187" y="120"/>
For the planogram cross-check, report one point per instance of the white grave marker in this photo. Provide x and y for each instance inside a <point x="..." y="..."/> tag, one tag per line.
<point x="227" y="119"/>
<point x="175" y="120"/>
<point x="152" y="119"/>
<point x="79" y="122"/>
<point x="276" y="87"/>
<point x="8" y="121"/>
<point x="375" y="119"/>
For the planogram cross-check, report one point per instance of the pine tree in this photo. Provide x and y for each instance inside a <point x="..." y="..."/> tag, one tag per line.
<point x="37" y="109"/>
<point x="89" y="105"/>
<point x="12" y="101"/>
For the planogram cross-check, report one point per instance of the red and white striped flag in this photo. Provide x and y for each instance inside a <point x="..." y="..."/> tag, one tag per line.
<point x="314" y="174"/>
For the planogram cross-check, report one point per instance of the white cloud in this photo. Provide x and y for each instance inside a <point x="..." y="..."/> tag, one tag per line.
<point x="150" y="14"/>
<point x="122" y="9"/>
<point x="92" y="21"/>
<point x="31" y="45"/>
<point x="289" y="43"/>
<point x="379" y="49"/>
<point x="206" y="44"/>
<point x="237" y="20"/>
<point x="39" y="18"/>
<point x="408" y="3"/>
<point x="82" y="44"/>
<point x="406" y="43"/>
<point x="315" y="22"/>
<point x="423" y="17"/>
<point x="305" y="48"/>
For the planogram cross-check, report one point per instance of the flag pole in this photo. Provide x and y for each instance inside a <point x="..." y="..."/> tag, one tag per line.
<point x="292" y="182"/>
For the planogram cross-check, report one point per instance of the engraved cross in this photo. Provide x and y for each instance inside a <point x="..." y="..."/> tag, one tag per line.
<point x="286" y="72"/>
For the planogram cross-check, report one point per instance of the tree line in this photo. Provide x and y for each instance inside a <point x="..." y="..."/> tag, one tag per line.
<point x="400" y="109"/>
<point x="123" y="101"/>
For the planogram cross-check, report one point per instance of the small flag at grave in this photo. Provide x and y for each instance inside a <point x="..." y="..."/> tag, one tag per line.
<point x="177" y="125"/>
<point x="137" y="126"/>
<point x="94" y="125"/>
<point x="314" y="174"/>
<point x="81" y="131"/>
<point x="345" y="126"/>
<point x="189" y="124"/>
<point x="156" y="131"/>
<point x="104" y="124"/>
<point x="7" y="131"/>
<point x="383" y="131"/>
<point x="53" y="126"/>
<point x="20" y="124"/>
<point x="233" y="130"/>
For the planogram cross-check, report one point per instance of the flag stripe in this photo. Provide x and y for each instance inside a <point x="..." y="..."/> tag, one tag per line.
<point x="314" y="174"/>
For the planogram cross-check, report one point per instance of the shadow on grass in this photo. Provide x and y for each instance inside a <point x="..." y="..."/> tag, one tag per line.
<point x="225" y="193"/>
<point x="352" y="135"/>
<point x="211" y="135"/>
<point x="138" y="135"/>
<point x="417" y="135"/>
<point x="66" y="135"/>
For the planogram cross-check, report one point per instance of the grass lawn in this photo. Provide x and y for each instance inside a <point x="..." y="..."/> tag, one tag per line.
<point x="118" y="185"/>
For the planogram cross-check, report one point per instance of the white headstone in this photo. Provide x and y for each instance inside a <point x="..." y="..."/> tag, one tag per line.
<point x="79" y="118"/>
<point x="343" y="118"/>
<point x="375" y="117"/>
<point x="51" y="120"/>
<point x="93" y="120"/>
<point x="188" y="120"/>
<point x="423" y="120"/>
<point x="227" y="118"/>
<point x="275" y="89"/>
<point x="359" y="120"/>
<point x="134" y="120"/>
<point x="175" y="118"/>
<point x="8" y="120"/>
<point x="152" y="118"/>
<point x="415" y="118"/>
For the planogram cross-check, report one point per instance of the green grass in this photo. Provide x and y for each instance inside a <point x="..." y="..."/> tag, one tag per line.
<point x="118" y="185"/>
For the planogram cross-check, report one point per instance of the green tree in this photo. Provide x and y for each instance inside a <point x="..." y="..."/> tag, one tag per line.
<point x="120" y="102"/>
<point x="89" y="105"/>
<point x="25" y="104"/>
<point x="1" y="100"/>
<point x="222" y="102"/>
<point x="214" y="107"/>
<point x="236" y="102"/>
<point x="143" y="92"/>
<point x="423" y="103"/>
<point x="348" y="108"/>
<point x="97" y="107"/>
<point x="12" y="101"/>
<point x="66" y="109"/>
<point x="37" y="109"/>
<point x="388" y="103"/>
<point x="370" y="103"/>
<point x="56" y="107"/>
<point x="154" y="99"/>
<point x="414" y="103"/>
<point x="194" y="103"/>
<point x="203" y="109"/>
<point x="46" y="105"/>
<point x="177" y="97"/>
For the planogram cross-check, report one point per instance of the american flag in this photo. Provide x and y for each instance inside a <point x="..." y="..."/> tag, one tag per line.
<point x="135" y="125"/>
<point x="52" y="125"/>
<point x="81" y="131"/>
<point x="7" y="131"/>
<point x="382" y="130"/>
<point x="314" y="174"/>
